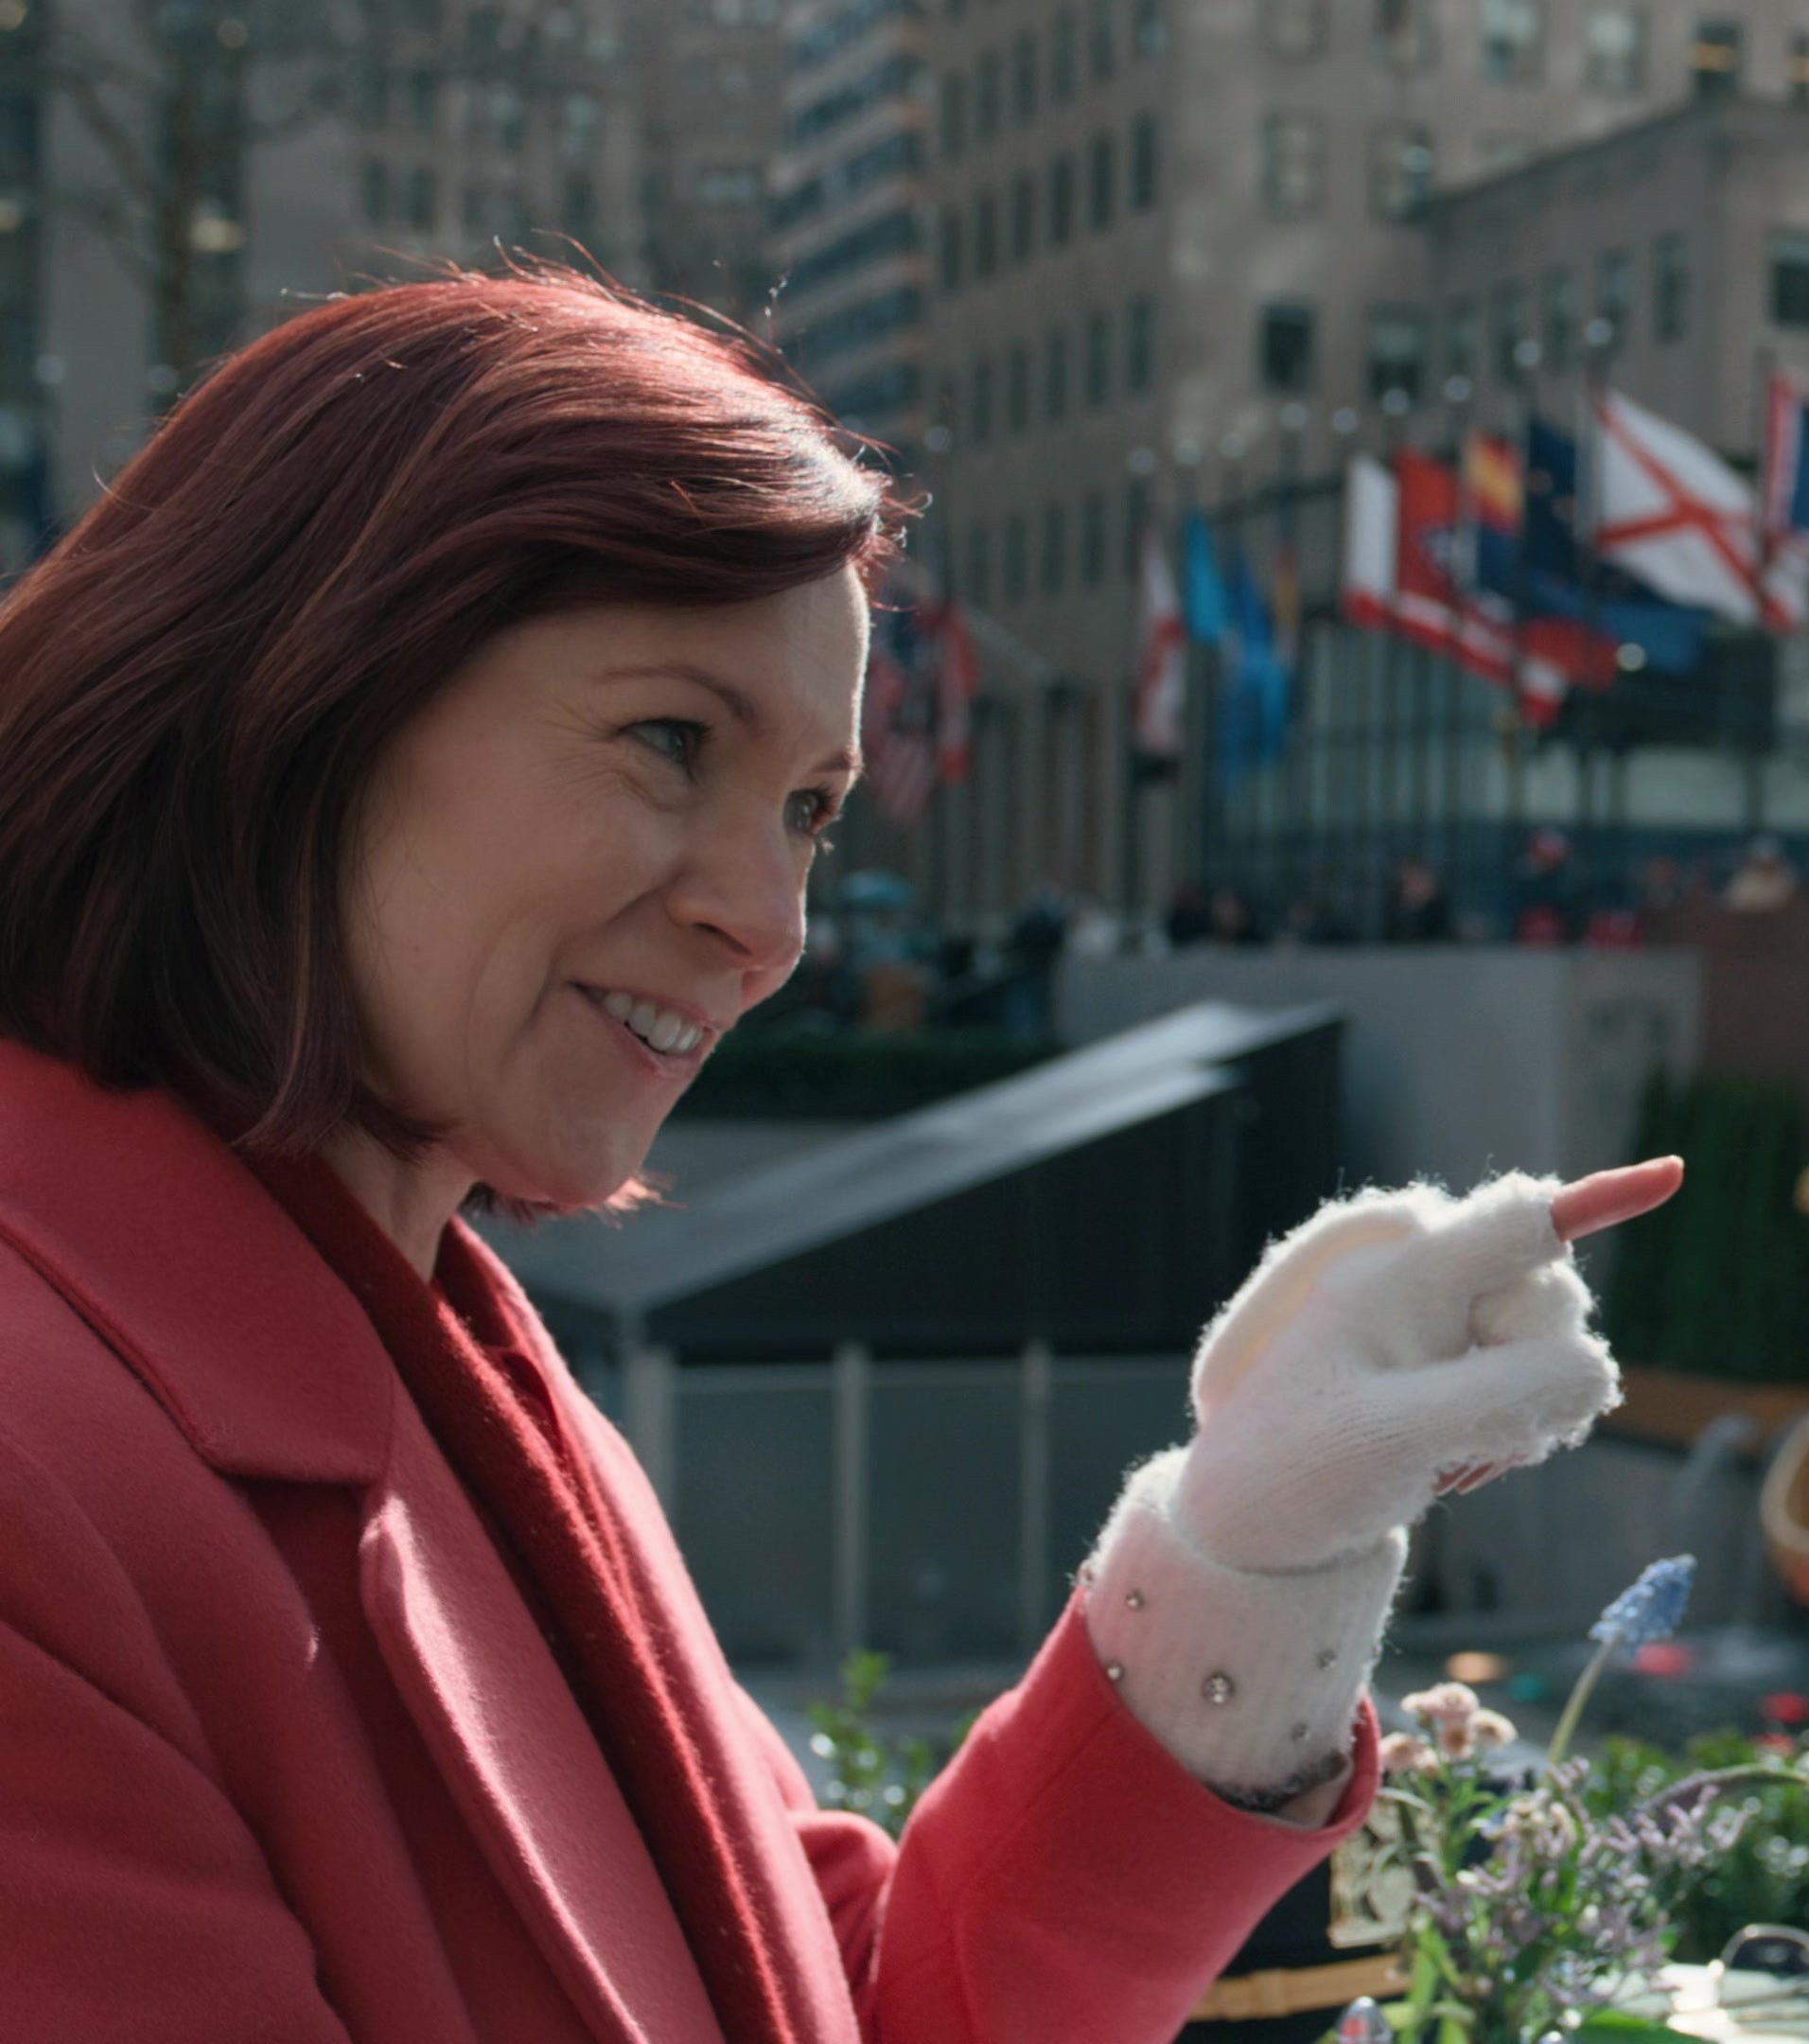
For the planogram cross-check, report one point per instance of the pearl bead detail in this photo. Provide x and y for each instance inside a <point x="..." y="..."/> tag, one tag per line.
<point x="1114" y="1671"/>
<point x="1134" y="1600"/>
<point x="1219" y="1688"/>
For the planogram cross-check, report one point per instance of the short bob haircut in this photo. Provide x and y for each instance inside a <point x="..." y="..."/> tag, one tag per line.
<point x="197" y="684"/>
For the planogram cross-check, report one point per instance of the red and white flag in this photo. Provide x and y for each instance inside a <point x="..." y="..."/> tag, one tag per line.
<point x="957" y="677"/>
<point x="1158" y="711"/>
<point x="1669" y="510"/>
<point x="1371" y="541"/>
<point x="897" y="737"/>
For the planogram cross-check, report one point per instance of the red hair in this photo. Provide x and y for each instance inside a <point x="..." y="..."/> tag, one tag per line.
<point x="196" y="685"/>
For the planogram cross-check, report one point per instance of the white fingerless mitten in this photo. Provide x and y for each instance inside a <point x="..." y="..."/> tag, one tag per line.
<point x="1241" y="1584"/>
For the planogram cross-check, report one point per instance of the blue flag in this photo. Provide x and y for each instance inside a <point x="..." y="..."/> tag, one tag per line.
<point x="1253" y="720"/>
<point x="1203" y="597"/>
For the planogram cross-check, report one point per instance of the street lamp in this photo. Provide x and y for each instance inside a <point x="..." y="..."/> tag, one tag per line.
<point x="1458" y="390"/>
<point x="1527" y="355"/>
<point x="1346" y="421"/>
<point x="1292" y="417"/>
<point x="1396" y="402"/>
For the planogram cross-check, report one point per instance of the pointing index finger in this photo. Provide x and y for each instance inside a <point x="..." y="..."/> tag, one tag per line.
<point x="1607" y="1197"/>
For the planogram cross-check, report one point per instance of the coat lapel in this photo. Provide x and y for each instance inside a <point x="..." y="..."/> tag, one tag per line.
<point x="151" y="1229"/>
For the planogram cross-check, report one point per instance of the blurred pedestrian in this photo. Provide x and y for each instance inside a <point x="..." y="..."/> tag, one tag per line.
<point x="1419" y="910"/>
<point x="1546" y="903"/>
<point x="1765" y="881"/>
<point x="1189" y="917"/>
<point x="1233" y="918"/>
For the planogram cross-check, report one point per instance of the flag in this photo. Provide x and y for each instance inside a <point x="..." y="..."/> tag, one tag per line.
<point x="1672" y="512"/>
<point x="1550" y="581"/>
<point x="1786" y="473"/>
<point x="1159" y="704"/>
<point x="958" y="677"/>
<point x="1253" y="717"/>
<point x="1205" y="588"/>
<point x="1371" y="531"/>
<point x="1431" y="606"/>
<point x="897" y="721"/>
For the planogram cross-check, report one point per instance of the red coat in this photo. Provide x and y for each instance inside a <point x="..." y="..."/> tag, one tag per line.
<point x="283" y="1758"/>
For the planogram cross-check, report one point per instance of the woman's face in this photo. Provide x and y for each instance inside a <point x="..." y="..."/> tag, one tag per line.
<point x="586" y="859"/>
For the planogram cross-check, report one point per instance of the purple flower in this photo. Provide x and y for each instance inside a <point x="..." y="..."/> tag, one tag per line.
<point x="1652" y="1608"/>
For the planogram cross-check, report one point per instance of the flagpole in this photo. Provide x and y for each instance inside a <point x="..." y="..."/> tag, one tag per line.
<point x="1196" y="802"/>
<point x="1459" y="392"/>
<point x="1289" y="636"/>
<point x="1397" y="403"/>
<point x="1231" y="515"/>
<point x="1522" y="404"/>
<point x="1599" y="338"/>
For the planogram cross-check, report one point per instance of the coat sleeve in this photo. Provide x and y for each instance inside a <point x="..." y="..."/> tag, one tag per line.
<point x="1064" y="1880"/>
<point x="133" y="1901"/>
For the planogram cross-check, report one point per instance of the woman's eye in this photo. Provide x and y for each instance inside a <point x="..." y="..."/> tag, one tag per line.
<point x="677" y="739"/>
<point x="811" y="811"/>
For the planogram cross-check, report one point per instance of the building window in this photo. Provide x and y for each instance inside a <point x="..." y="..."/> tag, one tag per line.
<point x="1614" y="292"/>
<point x="1017" y="551"/>
<point x="954" y="115"/>
<point x="1800" y="70"/>
<point x="1140" y="346"/>
<point x="1294" y="27"/>
<point x="1790" y="280"/>
<point x="948" y="248"/>
<point x="979" y="410"/>
<point x="1499" y="153"/>
<point x="1557" y="320"/>
<point x="1017" y="390"/>
<point x="1102" y="181"/>
<point x="509" y="118"/>
<point x="475" y="211"/>
<point x="1460" y="339"/>
<point x="1055" y="377"/>
<point x="1149" y="32"/>
<point x="423" y="203"/>
<point x="1094" y="544"/>
<point x="1023" y="78"/>
<point x="1513" y="41"/>
<point x="1286" y="347"/>
<point x="578" y="205"/>
<point x="1098" y="361"/>
<point x="987" y="80"/>
<point x="424" y="101"/>
<point x="1404" y="34"/>
<point x="1401" y="169"/>
<point x="986" y="235"/>
<point x="1509" y="323"/>
<point x="1064" y="44"/>
<point x="1102" y="41"/>
<point x="1614" y="51"/>
<point x="1055" y="550"/>
<point x="979" y="566"/>
<point x="1145" y="157"/>
<point x="1293" y="162"/>
<point x="1396" y="351"/>
<point x="375" y="185"/>
<point x="1715" y="56"/>
<point x="1670" y="287"/>
<point x="1023" y="215"/>
<point x="1137" y="515"/>
<point x="1061" y="201"/>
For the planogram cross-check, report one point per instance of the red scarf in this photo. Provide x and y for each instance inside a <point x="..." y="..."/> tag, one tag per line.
<point x="603" y="1614"/>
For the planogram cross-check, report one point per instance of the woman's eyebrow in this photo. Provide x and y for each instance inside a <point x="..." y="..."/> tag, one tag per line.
<point x="742" y="707"/>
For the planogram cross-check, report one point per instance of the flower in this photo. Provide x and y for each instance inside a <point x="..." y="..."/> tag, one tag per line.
<point x="1454" y="1736"/>
<point x="1652" y="1608"/>
<point x="1406" y="1752"/>
<point x="1445" y="1702"/>
<point x="1490" y="1728"/>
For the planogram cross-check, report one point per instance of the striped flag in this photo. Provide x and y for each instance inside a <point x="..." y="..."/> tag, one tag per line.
<point x="898" y="735"/>
<point x="958" y="677"/>
<point x="1159" y="705"/>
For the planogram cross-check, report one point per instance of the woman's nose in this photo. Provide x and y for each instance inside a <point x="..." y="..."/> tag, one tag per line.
<point x="746" y="889"/>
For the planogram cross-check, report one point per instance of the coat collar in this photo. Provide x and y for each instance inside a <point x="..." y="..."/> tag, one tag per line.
<point x="145" y="1220"/>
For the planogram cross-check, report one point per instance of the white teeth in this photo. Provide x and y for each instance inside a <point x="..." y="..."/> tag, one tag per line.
<point x="660" y="1028"/>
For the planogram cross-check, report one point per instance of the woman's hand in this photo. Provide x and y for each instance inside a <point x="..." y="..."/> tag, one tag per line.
<point x="1398" y="1344"/>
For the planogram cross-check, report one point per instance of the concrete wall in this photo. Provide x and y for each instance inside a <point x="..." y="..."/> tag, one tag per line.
<point x="1460" y="1060"/>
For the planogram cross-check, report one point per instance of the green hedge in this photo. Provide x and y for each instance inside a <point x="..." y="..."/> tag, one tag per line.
<point x="1717" y="1281"/>
<point x="851" y="1074"/>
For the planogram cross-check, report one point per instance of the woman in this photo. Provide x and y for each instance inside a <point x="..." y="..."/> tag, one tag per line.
<point x="414" y="765"/>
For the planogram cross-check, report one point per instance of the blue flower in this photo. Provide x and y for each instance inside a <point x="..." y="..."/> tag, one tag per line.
<point x="1652" y="1608"/>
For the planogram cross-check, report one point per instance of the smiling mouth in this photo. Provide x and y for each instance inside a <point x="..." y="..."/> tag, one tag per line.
<point x="662" y="1031"/>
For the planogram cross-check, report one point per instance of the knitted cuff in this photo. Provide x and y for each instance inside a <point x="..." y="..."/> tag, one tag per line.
<point x="1252" y="1680"/>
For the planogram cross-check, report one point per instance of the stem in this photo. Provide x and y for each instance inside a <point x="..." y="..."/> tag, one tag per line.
<point x="1579" y="1696"/>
